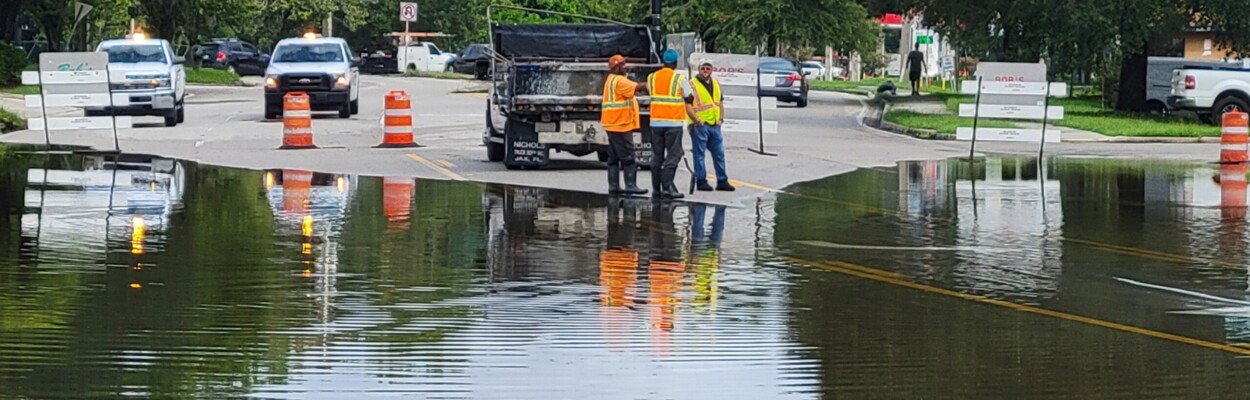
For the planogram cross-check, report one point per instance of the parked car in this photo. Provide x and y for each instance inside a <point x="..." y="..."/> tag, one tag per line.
<point x="155" y="80"/>
<point x="783" y="78"/>
<point x="1159" y="78"/>
<point x="379" y="62"/>
<point x="324" y="68"/>
<point x="473" y="60"/>
<point x="232" y="55"/>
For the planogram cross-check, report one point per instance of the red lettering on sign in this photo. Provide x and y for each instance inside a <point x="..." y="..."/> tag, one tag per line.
<point x="1004" y="78"/>
<point x="730" y="70"/>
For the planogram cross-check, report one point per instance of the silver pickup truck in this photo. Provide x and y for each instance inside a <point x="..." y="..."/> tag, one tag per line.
<point x="146" y="70"/>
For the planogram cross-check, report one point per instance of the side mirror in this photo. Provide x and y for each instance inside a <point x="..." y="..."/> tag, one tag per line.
<point x="180" y="60"/>
<point x="808" y="73"/>
<point x="356" y="62"/>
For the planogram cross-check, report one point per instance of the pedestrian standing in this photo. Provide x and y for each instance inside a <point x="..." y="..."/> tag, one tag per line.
<point x="706" y="119"/>
<point x="668" y="114"/>
<point x="620" y="118"/>
<point x="915" y="66"/>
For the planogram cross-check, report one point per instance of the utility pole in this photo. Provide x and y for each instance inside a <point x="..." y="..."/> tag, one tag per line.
<point x="654" y="23"/>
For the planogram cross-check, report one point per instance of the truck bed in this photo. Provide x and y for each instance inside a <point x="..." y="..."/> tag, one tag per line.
<point x="554" y="83"/>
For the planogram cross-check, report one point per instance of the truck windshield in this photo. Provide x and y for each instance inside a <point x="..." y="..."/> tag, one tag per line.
<point x="128" y="53"/>
<point x="307" y="53"/>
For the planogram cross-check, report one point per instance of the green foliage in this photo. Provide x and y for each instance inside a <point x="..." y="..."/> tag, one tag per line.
<point x="743" y="25"/>
<point x="438" y="75"/>
<point x="10" y="121"/>
<point x="1123" y="124"/>
<point x="866" y="85"/>
<point x="209" y="76"/>
<point x="12" y="61"/>
<point x="20" y="89"/>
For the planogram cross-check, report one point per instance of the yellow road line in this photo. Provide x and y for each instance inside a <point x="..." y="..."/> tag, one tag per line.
<point x="895" y="279"/>
<point x="437" y="168"/>
<point x="446" y="163"/>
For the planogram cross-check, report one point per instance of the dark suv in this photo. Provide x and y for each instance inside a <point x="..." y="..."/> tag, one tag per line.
<point x="474" y="60"/>
<point x="232" y="55"/>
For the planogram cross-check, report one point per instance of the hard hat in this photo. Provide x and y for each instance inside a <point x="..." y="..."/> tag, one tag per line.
<point x="616" y="60"/>
<point x="705" y="61"/>
<point x="671" y="56"/>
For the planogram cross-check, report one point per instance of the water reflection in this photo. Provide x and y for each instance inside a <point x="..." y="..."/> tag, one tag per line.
<point x="147" y="277"/>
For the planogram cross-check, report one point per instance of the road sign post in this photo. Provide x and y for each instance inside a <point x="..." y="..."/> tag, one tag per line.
<point x="408" y="14"/>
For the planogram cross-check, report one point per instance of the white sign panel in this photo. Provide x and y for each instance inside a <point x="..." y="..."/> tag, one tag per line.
<point x="78" y="100"/>
<point x="1057" y="89"/>
<point x="750" y="102"/>
<point x="735" y="79"/>
<point x="749" y="126"/>
<point x="80" y="123"/>
<point x="948" y="64"/>
<point x="1010" y="111"/>
<point x="1008" y="135"/>
<point x="408" y="12"/>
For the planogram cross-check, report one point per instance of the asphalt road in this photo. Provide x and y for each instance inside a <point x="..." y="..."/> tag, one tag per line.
<point x="225" y="126"/>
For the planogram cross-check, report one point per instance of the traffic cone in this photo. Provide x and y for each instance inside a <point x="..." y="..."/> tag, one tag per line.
<point x="1234" y="138"/>
<point x="397" y="123"/>
<point x="296" y="122"/>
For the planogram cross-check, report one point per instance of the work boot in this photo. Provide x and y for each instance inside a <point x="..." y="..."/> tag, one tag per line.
<point x="631" y="182"/>
<point x="614" y="179"/>
<point x="703" y="186"/>
<point x="724" y="186"/>
<point x="671" y="192"/>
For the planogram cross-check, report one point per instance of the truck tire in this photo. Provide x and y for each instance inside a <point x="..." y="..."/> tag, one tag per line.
<point x="182" y="111"/>
<point x="171" y="118"/>
<point x="1225" y="105"/>
<point x="355" y="106"/>
<point x="346" y="110"/>
<point x="494" y="151"/>
<point x="272" y="111"/>
<point x="603" y="155"/>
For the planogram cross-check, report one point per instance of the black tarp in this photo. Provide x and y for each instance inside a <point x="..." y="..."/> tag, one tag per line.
<point x="571" y="41"/>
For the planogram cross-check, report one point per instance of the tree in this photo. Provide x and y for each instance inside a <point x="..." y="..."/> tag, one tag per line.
<point x="741" y="25"/>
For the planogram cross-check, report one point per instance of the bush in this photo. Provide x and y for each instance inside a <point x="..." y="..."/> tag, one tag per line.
<point x="10" y="122"/>
<point x="208" y="76"/>
<point x="12" y="61"/>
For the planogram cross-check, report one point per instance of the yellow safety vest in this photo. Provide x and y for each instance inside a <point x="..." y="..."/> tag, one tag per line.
<point x="705" y="107"/>
<point x="666" y="101"/>
<point x="619" y="114"/>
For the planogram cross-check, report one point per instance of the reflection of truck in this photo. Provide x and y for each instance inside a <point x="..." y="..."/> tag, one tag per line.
<point x="548" y="87"/>
<point x="530" y="229"/>
<point x="1210" y="92"/>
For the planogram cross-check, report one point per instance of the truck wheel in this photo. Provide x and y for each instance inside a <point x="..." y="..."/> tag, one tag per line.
<point x="182" y="111"/>
<point x="355" y="106"/>
<point x="171" y="118"/>
<point x="494" y="151"/>
<point x="603" y="155"/>
<point x="1226" y="105"/>
<point x="346" y="110"/>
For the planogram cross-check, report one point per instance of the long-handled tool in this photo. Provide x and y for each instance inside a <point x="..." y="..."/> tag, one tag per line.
<point x="693" y="178"/>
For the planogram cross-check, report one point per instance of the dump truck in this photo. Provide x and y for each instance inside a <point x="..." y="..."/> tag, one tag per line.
<point x="547" y="89"/>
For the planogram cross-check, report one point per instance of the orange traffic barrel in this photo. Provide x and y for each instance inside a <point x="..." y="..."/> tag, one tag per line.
<point x="296" y="190"/>
<point x="1235" y="137"/>
<point x="397" y="198"/>
<point x="296" y="122"/>
<point x="1233" y="191"/>
<point x="397" y="123"/>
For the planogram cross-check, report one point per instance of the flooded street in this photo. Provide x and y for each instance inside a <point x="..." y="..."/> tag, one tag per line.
<point x="1003" y="278"/>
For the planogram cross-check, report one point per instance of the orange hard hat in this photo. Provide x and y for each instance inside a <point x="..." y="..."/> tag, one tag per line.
<point x="616" y="60"/>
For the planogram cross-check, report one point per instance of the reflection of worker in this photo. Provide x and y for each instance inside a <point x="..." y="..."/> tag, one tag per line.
<point x="665" y="269"/>
<point x="705" y="251"/>
<point x="620" y="118"/>
<point x="618" y="271"/>
<point x="618" y="264"/>
<point x="915" y="66"/>
<point x="668" y="114"/>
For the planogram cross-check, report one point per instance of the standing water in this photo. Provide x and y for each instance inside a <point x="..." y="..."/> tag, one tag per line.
<point x="1005" y="278"/>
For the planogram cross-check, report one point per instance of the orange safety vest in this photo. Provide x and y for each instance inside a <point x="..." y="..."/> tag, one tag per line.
<point x="620" y="114"/>
<point x="666" y="101"/>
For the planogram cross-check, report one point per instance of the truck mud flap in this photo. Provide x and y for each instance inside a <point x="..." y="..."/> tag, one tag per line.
<point x="642" y="148"/>
<point x="521" y="146"/>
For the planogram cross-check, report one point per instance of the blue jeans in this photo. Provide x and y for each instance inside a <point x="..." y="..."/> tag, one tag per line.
<point x="708" y="138"/>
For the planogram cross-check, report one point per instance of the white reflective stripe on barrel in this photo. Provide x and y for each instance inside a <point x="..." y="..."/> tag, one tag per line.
<point x="297" y="114"/>
<point x="398" y="112"/>
<point x="296" y="131"/>
<point x="1236" y="130"/>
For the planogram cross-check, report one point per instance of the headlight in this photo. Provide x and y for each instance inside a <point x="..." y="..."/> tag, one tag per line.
<point x="271" y="82"/>
<point x="160" y="83"/>
<point x="341" y="81"/>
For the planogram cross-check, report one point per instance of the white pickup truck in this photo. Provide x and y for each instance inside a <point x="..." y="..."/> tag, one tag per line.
<point x="154" y="79"/>
<point x="1210" y="92"/>
<point x="424" y="57"/>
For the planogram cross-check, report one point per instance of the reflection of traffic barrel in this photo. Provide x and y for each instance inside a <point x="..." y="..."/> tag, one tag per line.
<point x="1235" y="137"/>
<point x="296" y="122"/>
<point x="296" y="190"/>
<point x="1233" y="190"/>
<point x="618" y="272"/>
<point x="397" y="198"/>
<point x="397" y="123"/>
